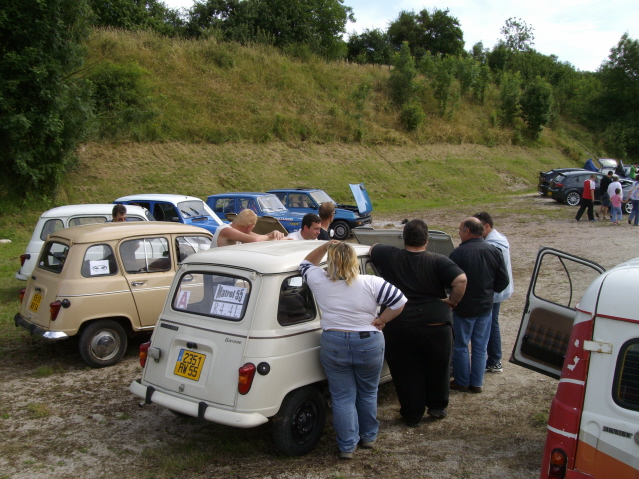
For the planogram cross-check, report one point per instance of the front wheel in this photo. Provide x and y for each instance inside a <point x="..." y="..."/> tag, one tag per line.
<point x="103" y="343"/>
<point x="299" y="424"/>
<point x="341" y="230"/>
<point x="627" y="207"/>
<point x="573" y="198"/>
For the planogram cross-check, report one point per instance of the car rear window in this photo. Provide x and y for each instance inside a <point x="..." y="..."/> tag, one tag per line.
<point x="296" y="303"/>
<point x="187" y="245"/>
<point x="51" y="226"/>
<point x="53" y="256"/>
<point x="626" y="384"/>
<point x="87" y="220"/>
<point x="99" y="261"/>
<point x="217" y="296"/>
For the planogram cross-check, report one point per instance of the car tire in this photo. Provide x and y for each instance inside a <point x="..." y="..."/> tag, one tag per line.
<point x="299" y="424"/>
<point x="341" y="230"/>
<point x="103" y="343"/>
<point x="573" y="198"/>
<point x="627" y="208"/>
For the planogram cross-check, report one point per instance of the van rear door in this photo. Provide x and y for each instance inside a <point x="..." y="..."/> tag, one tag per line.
<point x="557" y="284"/>
<point x="608" y="444"/>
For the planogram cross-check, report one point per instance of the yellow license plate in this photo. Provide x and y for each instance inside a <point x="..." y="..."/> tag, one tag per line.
<point x="189" y="364"/>
<point x="35" y="302"/>
<point x="550" y="193"/>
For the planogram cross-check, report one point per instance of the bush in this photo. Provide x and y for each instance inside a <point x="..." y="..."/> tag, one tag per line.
<point x="411" y="116"/>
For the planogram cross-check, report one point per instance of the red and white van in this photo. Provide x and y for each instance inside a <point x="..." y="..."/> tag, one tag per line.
<point x="581" y="326"/>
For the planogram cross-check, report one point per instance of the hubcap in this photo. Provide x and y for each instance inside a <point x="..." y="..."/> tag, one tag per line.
<point x="304" y="422"/>
<point x="105" y="345"/>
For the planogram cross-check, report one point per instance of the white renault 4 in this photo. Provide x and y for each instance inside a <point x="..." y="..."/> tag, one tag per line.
<point x="238" y="343"/>
<point x="581" y="326"/>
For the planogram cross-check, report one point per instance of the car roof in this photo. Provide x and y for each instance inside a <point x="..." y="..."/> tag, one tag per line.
<point x="240" y="193"/>
<point x="96" y="209"/>
<point x="295" y="189"/>
<point x="175" y="199"/>
<point x="268" y="257"/>
<point x="115" y="231"/>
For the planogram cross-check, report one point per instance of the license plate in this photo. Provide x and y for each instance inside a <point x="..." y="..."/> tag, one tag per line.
<point x="35" y="302"/>
<point x="550" y="193"/>
<point x="189" y="364"/>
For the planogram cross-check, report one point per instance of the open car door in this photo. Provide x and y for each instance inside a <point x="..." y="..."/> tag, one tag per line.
<point x="558" y="282"/>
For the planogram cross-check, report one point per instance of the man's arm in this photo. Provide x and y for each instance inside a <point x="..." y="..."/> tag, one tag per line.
<point x="457" y="290"/>
<point x="501" y="281"/>
<point x="231" y="234"/>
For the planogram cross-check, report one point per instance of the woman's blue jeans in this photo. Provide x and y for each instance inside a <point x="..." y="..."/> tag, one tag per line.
<point x="353" y="363"/>
<point x="635" y="211"/>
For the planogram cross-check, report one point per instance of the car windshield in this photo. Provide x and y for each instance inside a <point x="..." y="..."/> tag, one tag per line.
<point x="270" y="203"/>
<point x="320" y="197"/>
<point x="196" y="208"/>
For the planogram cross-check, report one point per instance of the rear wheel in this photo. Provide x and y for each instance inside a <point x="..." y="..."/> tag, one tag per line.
<point x="299" y="424"/>
<point x="103" y="343"/>
<point x="573" y="198"/>
<point x="341" y="230"/>
<point x="627" y="208"/>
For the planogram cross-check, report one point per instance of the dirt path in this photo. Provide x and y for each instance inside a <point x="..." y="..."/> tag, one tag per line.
<point x="59" y="419"/>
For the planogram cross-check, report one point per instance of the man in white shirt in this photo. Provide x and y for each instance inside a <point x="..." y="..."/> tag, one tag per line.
<point x="614" y="185"/>
<point x="311" y="227"/>
<point x="494" y="237"/>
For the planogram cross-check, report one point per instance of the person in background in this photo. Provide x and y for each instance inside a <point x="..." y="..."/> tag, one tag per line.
<point x="603" y="195"/>
<point x="486" y="272"/>
<point x="326" y="214"/>
<point x="587" y="199"/>
<point x="614" y="185"/>
<point x="499" y="241"/>
<point x="351" y="344"/>
<point x="615" y="212"/>
<point x="633" y="171"/>
<point x="118" y="214"/>
<point x="419" y="341"/>
<point x="241" y="231"/>
<point x="310" y="228"/>
<point x="633" y="196"/>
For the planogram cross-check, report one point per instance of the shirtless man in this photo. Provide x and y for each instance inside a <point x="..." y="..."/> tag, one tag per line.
<point x="241" y="231"/>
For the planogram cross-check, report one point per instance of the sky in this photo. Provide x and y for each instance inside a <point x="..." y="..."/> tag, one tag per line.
<point x="580" y="32"/>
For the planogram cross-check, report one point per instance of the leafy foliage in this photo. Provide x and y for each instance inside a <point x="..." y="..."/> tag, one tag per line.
<point x="518" y="34"/>
<point x="44" y="110"/>
<point x="509" y="96"/>
<point x="371" y="46"/>
<point x="402" y="78"/>
<point x="536" y="103"/>
<point x="412" y="115"/>
<point x="136" y="14"/>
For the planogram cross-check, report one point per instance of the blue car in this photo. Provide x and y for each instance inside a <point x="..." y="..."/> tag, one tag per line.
<point x="263" y="204"/>
<point x="176" y="208"/>
<point x="308" y="200"/>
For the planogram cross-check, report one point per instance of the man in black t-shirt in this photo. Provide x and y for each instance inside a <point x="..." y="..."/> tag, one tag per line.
<point x="603" y="195"/>
<point x="419" y="340"/>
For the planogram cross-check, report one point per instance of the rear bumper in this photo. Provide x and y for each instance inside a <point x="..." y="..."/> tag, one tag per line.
<point x="37" y="330"/>
<point x="201" y="410"/>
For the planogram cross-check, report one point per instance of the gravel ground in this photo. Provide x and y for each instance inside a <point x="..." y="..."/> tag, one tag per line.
<point x="71" y="421"/>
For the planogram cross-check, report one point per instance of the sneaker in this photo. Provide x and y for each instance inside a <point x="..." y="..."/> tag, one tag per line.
<point x="495" y="368"/>
<point x="456" y="387"/>
<point x="475" y="389"/>
<point x="628" y="221"/>
<point x="368" y="444"/>
<point x="437" y="413"/>
<point x="347" y="455"/>
<point x="597" y="214"/>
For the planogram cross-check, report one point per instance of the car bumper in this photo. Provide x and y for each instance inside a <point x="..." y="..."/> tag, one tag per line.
<point x="200" y="410"/>
<point x="21" y="277"/>
<point x="38" y="330"/>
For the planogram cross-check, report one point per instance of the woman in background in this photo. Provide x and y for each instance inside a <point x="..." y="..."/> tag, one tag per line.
<point x="352" y="347"/>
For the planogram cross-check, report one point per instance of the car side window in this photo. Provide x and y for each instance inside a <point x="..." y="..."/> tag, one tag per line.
<point x="249" y="203"/>
<point x="99" y="261"/>
<point x="146" y="255"/>
<point x="625" y="389"/>
<point x="296" y="304"/>
<point x="369" y="268"/>
<point x="165" y="212"/>
<point x="87" y="220"/>
<point x="223" y="205"/>
<point x="53" y="256"/>
<point x="281" y="196"/>
<point x="51" y="226"/>
<point x="187" y="245"/>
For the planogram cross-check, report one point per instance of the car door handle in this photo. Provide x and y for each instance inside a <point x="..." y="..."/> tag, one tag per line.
<point x="138" y="283"/>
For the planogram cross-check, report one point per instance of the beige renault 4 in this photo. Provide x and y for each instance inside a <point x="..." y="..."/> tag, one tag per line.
<point x="105" y="282"/>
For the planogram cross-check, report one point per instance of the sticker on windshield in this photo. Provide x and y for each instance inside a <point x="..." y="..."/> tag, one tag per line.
<point x="229" y="301"/>
<point x="183" y="300"/>
<point x="99" y="267"/>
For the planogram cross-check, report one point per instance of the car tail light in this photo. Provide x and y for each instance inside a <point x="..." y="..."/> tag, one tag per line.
<point x="54" y="309"/>
<point x="559" y="185"/>
<point x="245" y="379"/>
<point x="22" y="293"/>
<point x="557" y="468"/>
<point x="23" y="258"/>
<point x="144" y="352"/>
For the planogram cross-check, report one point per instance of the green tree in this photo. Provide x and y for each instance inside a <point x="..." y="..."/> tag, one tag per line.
<point x="370" y="46"/>
<point x="536" y="103"/>
<point x="509" y="96"/>
<point x="436" y="31"/>
<point x="136" y="14"/>
<point x="45" y="111"/>
<point x="518" y="34"/>
<point x="402" y="78"/>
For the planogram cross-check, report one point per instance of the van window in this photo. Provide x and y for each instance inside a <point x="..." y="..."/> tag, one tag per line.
<point x="296" y="302"/>
<point x="146" y="255"/>
<point x="187" y="245"/>
<point x="626" y="385"/>
<point x="51" y="226"/>
<point x="53" y="256"/>
<point x="87" y="220"/>
<point x="206" y="294"/>
<point x="99" y="261"/>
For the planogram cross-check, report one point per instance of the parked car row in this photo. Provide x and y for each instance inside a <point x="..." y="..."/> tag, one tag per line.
<point x="568" y="187"/>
